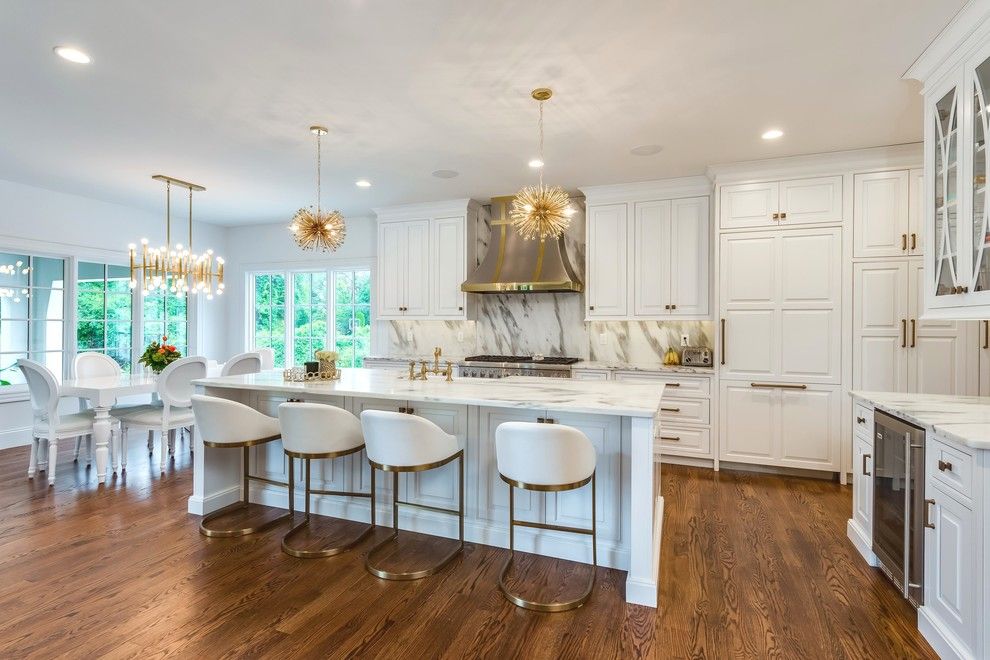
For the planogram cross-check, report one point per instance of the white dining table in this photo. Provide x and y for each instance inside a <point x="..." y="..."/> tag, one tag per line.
<point x="102" y="392"/>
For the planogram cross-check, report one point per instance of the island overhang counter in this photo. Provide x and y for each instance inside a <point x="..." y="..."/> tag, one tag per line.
<point x="620" y="419"/>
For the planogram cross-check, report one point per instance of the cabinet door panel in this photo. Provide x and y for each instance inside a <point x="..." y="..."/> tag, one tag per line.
<point x="391" y="266"/>
<point x="942" y="360"/>
<point x="449" y="267"/>
<point x="863" y="484"/>
<point x="810" y="268"/>
<point x="417" y="273"/>
<point x="916" y="212"/>
<point x="607" y="262"/>
<point x="811" y="201"/>
<point x="748" y="205"/>
<point x="747" y="423"/>
<point x="880" y="312"/>
<point x="811" y="351"/>
<point x="688" y="266"/>
<point x="751" y="344"/>
<point x="950" y="561"/>
<point x="809" y="437"/>
<point x="653" y="251"/>
<point x="748" y="270"/>
<point x="882" y="224"/>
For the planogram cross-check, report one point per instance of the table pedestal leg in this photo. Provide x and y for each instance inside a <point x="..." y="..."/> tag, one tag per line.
<point x="101" y="438"/>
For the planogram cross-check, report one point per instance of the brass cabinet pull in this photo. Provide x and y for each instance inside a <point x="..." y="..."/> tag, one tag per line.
<point x="914" y="332"/>
<point x="782" y="386"/>
<point x="551" y="420"/>
<point x="928" y="523"/>
<point x="914" y="241"/>
<point x="776" y="216"/>
<point x="865" y="473"/>
<point x="662" y="409"/>
<point x="903" y="333"/>
<point x="545" y="420"/>
<point x="986" y="334"/>
<point x="944" y="465"/>
<point x="671" y="438"/>
<point x="861" y="420"/>
<point x="672" y="384"/>
<point x="903" y="242"/>
<point x="783" y="216"/>
<point x="722" y="334"/>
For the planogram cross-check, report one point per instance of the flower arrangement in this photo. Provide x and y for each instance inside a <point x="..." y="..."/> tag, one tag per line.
<point x="326" y="355"/>
<point x="159" y="355"/>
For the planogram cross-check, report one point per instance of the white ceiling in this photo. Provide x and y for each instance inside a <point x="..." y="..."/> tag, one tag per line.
<point x="222" y="93"/>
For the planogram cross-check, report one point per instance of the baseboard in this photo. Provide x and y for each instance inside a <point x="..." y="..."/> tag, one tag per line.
<point x="18" y="437"/>
<point x="774" y="469"/>
<point x="861" y="541"/>
<point x="942" y="640"/>
<point x="201" y="506"/>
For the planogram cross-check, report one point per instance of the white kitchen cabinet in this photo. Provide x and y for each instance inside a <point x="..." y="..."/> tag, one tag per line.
<point x="424" y="253"/>
<point x="781" y="203"/>
<point x="608" y="270"/>
<point x="863" y="485"/>
<point x="983" y="363"/>
<point x="780" y="304"/>
<point x="780" y="424"/>
<point x="882" y="218"/>
<point x="685" y="412"/>
<point x="648" y="247"/>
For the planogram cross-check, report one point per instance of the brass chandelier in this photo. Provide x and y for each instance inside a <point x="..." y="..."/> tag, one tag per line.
<point x="541" y="211"/>
<point x="176" y="268"/>
<point x="318" y="229"/>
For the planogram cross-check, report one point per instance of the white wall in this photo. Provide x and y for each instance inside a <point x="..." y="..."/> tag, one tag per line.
<point x="39" y="220"/>
<point x="262" y="247"/>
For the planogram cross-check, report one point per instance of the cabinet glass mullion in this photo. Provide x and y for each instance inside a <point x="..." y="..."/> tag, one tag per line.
<point x="979" y="229"/>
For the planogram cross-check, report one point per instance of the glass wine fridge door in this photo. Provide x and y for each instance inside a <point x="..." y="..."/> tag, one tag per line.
<point x="898" y="500"/>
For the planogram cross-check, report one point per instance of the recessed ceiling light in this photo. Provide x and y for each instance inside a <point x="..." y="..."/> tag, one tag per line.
<point x="445" y="174"/>
<point x="72" y="54"/>
<point x="536" y="163"/>
<point x="362" y="183"/>
<point x="646" y="150"/>
<point x="773" y="134"/>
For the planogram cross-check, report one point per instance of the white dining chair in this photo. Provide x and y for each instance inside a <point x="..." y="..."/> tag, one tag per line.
<point x="50" y="425"/>
<point x="244" y="363"/>
<point x="175" y="391"/>
<point x="91" y="365"/>
<point x="267" y="358"/>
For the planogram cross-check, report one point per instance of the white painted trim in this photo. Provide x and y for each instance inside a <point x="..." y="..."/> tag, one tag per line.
<point x="940" y="55"/>
<point x="900" y="156"/>
<point x="861" y="542"/>
<point x="687" y="186"/>
<point x="426" y="210"/>
<point x="200" y="506"/>
<point x="14" y="394"/>
<point x="17" y="437"/>
<point x="943" y="640"/>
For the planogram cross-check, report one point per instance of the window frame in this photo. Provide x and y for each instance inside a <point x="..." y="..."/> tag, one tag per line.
<point x="104" y="321"/>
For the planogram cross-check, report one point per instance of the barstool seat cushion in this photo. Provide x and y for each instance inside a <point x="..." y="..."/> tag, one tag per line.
<point x="404" y="440"/>
<point x="543" y="454"/>
<point x="318" y="428"/>
<point x="221" y="421"/>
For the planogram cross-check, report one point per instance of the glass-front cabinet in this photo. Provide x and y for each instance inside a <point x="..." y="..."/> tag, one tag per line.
<point x="944" y="118"/>
<point x="977" y="216"/>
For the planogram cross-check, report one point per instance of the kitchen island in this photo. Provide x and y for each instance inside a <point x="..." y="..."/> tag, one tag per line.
<point x="620" y="419"/>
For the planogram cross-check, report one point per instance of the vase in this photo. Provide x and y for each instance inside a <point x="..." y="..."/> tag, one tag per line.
<point x="328" y="369"/>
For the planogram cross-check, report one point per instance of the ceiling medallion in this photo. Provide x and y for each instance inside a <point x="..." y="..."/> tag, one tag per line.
<point x="315" y="229"/>
<point x="541" y="211"/>
<point x="176" y="268"/>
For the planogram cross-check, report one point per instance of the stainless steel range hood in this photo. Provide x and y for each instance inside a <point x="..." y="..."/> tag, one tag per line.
<point x="515" y="265"/>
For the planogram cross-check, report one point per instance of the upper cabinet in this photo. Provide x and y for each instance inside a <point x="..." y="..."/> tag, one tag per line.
<point x="792" y="202"/>
<point x="424" y="253"/>
<point x="648" y="250"/>
<point x="955" y="71"/>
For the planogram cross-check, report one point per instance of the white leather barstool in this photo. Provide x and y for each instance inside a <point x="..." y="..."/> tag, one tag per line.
<point x="548" y="458"/>
<point x="225" y="423"/>
<point x="316" y="430"/>
<point x="402" y="442"/>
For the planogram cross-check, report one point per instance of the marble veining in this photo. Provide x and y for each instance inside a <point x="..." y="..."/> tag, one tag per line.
<point x="960" y="419"/>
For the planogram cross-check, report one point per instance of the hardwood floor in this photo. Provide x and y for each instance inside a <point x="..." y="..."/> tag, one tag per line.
<point x="751" y="566"/>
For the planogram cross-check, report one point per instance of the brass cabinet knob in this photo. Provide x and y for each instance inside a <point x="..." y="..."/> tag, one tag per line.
<point x="460" y="309"/>
<point x="783" y="216"/>
<point x="776" y="216"/>
<point x="591" y="307"/>
<point x="944" y="465"/>
<point x="861" y="420"/>
<point x="673" y="306"/>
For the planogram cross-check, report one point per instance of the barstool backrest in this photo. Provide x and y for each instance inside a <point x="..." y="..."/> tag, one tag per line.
<point x="93" y="365"/>
<point x="543" y="454"/>
<point x="318" y="428"/>
<point x="404" y="440"/>
<point x="244" y="363"/>
<point x="225" y="421"/>
<point x="267" y="358"/>
<point x="175" y="382"/>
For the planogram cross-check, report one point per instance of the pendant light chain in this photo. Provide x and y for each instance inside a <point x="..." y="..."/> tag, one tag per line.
<point x="318" y="154"/>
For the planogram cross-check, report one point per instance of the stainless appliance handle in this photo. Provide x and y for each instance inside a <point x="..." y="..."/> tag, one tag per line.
<point x="907" y="512"/>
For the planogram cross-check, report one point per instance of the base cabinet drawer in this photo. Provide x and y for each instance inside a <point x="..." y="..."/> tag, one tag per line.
<point x="675" y="385"/>
<point x="951" y="468"/>
<point x="686" y="441"/>
<point x="863" y="422"/>
<point x="689" y="411"/>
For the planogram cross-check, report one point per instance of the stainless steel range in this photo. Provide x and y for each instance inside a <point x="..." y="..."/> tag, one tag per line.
<point x="500" y="366"/>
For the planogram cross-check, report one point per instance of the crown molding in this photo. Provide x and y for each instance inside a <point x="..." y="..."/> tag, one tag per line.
<point x="685" y="186"/>
<point x="968" y="27"/>
<point x="426" y="210"/>
<point x="900" y="156"/>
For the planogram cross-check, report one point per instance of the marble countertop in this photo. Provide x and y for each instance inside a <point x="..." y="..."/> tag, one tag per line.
<point x="961" y="419"/>
<point x="593" y="397"/>
<point x="584" y="364"/>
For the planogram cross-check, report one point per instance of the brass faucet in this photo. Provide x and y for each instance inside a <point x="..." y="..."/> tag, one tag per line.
<point x="449" y="372"/>
<point x="436" y="359"/>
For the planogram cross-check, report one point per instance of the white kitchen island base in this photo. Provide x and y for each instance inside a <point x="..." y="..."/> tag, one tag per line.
<point x="619" y="419"/>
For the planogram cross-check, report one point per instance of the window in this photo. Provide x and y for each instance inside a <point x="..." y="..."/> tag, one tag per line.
<point x="328" y="308"/>
<point x="352" y="316"/>
<point x="103" y="311"/>
<point x="32" y="310"/>
<point x="166" y="313"/>
<point x="268" y="328"/>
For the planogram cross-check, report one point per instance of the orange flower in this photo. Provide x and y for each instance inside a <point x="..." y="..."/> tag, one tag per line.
<point x="161" y="351"/>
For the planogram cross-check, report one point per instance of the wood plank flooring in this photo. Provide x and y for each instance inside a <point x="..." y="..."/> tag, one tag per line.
<point x="752" y="566"/>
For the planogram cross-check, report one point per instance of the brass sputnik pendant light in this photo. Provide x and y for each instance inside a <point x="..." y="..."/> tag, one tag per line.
<point x="317" y="229"/>
<point x="541" y="211"/>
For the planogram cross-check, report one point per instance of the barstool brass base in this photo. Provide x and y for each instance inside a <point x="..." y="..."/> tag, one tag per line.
<point x="287" y="546"/>
<point x="205" y="527"/>
<point x="555" y="606"/>
<point x="446" y="559"/>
